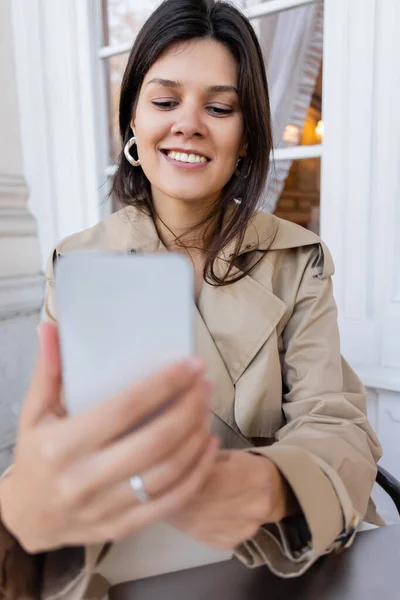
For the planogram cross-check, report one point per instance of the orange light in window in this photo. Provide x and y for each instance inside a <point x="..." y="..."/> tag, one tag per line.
<point x="291" y="134"/>
<point x="320" y="129"/>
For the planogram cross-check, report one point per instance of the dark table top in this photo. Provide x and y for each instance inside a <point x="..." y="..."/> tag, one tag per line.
<point x="369" y="570"/>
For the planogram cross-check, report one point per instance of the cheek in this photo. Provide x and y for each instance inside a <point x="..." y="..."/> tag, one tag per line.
<point x="231" y="141"/>
<point x="149" y="130"/>
<point x="230" y="148"/>
<point x="148" y="139"/>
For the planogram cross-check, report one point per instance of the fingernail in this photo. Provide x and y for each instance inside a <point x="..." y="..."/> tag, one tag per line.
<point x="194" y="365"/>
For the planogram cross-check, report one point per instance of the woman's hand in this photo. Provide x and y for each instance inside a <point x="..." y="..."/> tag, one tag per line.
<point x="70" y="480"/>
<point x="242" y="492"/>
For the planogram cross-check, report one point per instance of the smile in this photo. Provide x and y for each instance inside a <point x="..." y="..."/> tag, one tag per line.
<point x="185" y="159"/>
<point x="188" y="158"/>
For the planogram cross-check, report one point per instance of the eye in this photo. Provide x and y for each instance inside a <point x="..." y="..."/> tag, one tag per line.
<point x="218" y="111"/>
<point x="165" y="104"/>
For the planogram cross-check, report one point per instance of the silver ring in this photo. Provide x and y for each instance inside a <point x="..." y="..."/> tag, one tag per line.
<point x="136" y="483"/>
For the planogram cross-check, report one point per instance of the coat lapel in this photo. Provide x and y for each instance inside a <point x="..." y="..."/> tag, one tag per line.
<point x="217" y="373"/>
<point x="239" y="318"/>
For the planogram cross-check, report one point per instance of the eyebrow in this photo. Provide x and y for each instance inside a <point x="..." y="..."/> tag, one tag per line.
<point x="212" y="89"/>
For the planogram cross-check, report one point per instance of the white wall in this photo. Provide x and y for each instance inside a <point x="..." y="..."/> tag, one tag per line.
<point x="21" y="283"/>
<point x="61" y="120"/>
<point x="18" y="348"/>
<point x="360" y="216"/>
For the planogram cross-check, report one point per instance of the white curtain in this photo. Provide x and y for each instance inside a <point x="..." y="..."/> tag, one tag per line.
<point x="292" y="44"/>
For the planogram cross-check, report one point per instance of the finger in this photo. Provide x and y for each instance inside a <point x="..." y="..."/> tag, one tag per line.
<point x="147" y="446"/>
<point x="162" y="477"/>
<point x="44" y="396"/>
<point x="141" y="515"/>
<point x="107" y="421"/>
<point x="113" y="502"/>
<point x="157" y="481"/>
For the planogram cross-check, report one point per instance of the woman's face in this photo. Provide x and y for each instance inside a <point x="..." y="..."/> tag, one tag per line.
<point x="188" y="122"/>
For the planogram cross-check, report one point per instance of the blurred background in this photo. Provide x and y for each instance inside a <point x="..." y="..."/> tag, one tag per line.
<point x="334" y="74"/>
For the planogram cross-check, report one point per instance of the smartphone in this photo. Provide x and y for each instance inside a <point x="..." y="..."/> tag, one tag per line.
<point x="121" y="317"/>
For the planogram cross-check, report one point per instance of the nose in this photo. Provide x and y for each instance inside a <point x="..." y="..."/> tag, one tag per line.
<point x="188" y="122"/>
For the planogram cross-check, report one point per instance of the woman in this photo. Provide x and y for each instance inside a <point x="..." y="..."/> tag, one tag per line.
<point x="196" y="130"/>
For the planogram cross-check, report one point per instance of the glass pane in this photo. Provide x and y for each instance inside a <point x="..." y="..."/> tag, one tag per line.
<point x="123" y="19"/>
<point x="300" y="199"/>
<point x="313" y="127"/>
<point x="115" y="67"/>
<point x="292" y="44"/>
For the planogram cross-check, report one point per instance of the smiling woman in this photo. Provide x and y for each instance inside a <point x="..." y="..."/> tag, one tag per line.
<point x="298" y="460"/>
<point x="183" y="92"/>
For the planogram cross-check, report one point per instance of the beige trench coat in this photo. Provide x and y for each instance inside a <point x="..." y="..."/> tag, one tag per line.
<point x="271" y="344"/>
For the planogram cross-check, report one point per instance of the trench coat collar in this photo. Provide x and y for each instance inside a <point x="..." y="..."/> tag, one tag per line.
<point x="264" y="232"/>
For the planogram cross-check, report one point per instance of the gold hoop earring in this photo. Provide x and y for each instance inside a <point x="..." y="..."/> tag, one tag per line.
<point x="131" y="142"/>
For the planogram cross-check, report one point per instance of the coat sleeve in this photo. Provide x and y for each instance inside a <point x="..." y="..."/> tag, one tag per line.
<point x="63" y="574"/>
<point x="327" y="450"/>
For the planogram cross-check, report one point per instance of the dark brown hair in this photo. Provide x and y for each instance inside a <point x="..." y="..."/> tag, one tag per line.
<point x="182" y="20"/>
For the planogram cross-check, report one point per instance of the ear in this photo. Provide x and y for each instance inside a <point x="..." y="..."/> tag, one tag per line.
<point x="132" y="124"/>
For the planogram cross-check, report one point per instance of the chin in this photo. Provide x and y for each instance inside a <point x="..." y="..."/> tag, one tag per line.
<point x="188" y="196"/>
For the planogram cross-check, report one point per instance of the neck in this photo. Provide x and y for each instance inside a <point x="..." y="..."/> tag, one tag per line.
<point x="174" y="218"/>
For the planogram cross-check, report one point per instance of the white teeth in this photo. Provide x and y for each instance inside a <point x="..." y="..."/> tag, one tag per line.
<point x="184" y="157"/>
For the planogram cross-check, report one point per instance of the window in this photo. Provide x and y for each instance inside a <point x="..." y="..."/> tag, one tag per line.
<point x="115" y="67"/>
<point x="122" y="19"/>
<point x="300" y="199"/>
<point x="295" y="83"/>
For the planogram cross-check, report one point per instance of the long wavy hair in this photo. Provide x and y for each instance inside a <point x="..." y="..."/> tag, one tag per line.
<point x="177" y="21"/>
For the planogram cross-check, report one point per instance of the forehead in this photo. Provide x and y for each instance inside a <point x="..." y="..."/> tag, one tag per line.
<point x="199" y="62"/>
